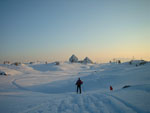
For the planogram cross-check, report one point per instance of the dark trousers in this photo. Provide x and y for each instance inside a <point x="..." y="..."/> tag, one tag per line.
<point x="79" y="88"/>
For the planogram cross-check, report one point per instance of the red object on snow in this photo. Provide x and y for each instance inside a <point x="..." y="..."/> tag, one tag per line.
<point x="111" y="88"/>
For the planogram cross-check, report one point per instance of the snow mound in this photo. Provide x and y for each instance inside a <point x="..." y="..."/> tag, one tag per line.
<point x="9" y="71"/>
<point x="23" y="68"/>
<point x="69" y="66"/>
<point x="138" y="62"/>
<point x="46" y="67"/>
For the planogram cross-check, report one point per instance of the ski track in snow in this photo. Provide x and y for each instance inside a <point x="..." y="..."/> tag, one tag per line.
<point x="137" y="110"/>
<point x="87" y="102"/>
<point x="79" y="104"/>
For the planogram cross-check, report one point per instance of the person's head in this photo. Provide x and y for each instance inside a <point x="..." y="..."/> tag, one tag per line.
<point x="79" y="78"/>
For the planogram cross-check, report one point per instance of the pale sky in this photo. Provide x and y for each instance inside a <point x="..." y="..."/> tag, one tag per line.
<point x="51" y="30"/>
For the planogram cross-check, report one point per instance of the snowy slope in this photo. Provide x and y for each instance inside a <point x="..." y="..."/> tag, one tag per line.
<point x="9" y="71"/>
<point x="50" y="88"/>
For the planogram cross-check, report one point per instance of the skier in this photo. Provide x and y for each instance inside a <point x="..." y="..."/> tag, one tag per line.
<point x="79" y="83"/>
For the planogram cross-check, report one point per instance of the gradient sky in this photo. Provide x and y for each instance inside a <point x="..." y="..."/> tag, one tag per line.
<point x="50" y="30"/>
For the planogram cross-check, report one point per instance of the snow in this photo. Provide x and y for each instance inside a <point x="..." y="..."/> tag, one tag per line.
<point x="9" y="71"/>
<point x="50" y="88"/>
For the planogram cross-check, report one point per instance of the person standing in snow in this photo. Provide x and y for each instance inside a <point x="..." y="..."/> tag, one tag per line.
<point x="79" y="83"/>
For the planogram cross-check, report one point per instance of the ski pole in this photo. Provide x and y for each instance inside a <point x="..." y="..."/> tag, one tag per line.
<point x="83" y="88"/>
<point x="75" y="88"/>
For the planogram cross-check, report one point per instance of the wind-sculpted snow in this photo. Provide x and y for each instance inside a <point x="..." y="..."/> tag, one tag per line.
<point x="50" y="88"/>
<point x="9" y="71"/>
<point x="46" y="67"/>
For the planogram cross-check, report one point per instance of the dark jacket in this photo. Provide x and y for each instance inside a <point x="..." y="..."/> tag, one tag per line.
<point x="79" y="82"/>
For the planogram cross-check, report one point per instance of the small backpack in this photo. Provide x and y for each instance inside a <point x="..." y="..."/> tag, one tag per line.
<point x="79" y="82"/>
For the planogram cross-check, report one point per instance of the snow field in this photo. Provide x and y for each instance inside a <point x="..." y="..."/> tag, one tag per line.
<point x="48" y="88"/>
